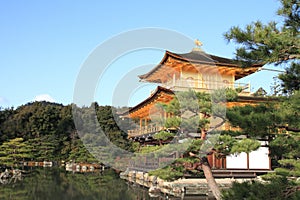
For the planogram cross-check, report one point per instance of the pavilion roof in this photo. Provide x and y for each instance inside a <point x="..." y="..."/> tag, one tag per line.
<point x="160" y="95"/>
<point x="199" y="60"/>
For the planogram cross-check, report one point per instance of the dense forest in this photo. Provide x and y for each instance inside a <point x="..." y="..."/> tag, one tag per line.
<point x="46" y="131"/>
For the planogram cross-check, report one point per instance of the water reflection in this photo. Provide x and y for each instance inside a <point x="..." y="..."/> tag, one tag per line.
<point x="55" y="183"/>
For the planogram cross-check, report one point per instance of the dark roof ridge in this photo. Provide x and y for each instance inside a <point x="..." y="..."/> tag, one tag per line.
<point x="198" y="57"/>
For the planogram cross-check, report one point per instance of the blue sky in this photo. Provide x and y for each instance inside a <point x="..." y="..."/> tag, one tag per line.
<point x="43" y="44"/>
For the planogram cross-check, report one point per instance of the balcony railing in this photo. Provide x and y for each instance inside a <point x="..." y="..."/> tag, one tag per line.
<point x="152" y="128"/>
<point x="201" y="85"/>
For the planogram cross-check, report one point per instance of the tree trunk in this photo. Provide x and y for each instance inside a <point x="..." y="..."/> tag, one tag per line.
<point x="212" y="184"/>
<point x="203" y="134"/>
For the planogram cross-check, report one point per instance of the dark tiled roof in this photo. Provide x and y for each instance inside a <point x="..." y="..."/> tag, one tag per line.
<point x="197" y="56"/>
<point x="200" y="56"/>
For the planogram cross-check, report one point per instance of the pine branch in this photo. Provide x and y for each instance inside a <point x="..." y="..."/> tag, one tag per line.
<point x="290" y="191"/>
<point x="286" y="127"/>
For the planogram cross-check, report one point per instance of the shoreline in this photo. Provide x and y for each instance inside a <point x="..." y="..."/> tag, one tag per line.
<point x="177" y="188"/>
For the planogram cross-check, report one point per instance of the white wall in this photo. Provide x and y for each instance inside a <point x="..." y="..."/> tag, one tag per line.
<point x="259" y="159"/>
<point x="236" y="161"/>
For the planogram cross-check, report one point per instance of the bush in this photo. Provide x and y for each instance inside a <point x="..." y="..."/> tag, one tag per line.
<point x="276" y="189"/>
<point x="167" y="173"/>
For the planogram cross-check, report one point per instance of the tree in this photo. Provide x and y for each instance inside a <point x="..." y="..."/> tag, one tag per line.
<point x="45" y="148"/>
<point x="291" y="78"/>
<point x="276" y="43"/>
<point x="194" y="112"/>
<point x="278" y="122"/>
<point x="14" y="151"/>
<point x="278" y="189"/>
<point x="260" y="92"/>
<point x="272" y="43"/>
<point x="163" y="136"/>
<point x="201" y="114"/>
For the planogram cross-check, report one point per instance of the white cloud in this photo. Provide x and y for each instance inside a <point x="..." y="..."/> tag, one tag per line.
<point x="44" y="97"/>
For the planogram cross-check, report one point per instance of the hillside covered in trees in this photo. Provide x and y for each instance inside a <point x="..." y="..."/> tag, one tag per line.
<point x="45" y="131"/>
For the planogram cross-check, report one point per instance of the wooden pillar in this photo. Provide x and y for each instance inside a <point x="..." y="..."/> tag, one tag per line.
<point x="214" y="161"/>
<point x="174" y="79"/>
<point x="180" y="73"/>
<point x="247" y="160"/>
<point x="141" y="123"/>
<point x="145" y="125"/>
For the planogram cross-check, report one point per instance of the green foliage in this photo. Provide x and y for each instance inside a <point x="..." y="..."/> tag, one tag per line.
<point x="264" y="43"/>
<point x="255" y="121"/>
<point x="45" y="148"/>
<point x="110" y="124"/>
<point x="48" y="131"/>
<point x="266" y="121"/>
<point x="14" y="151"/>
<point x="195" y="146"/>
<point x="163" y="135"/>
<point x="225" y="144"/>
<point x="272" y="43"/>
<point x="186" y="160"/>
<point x="245" y="145"/>
<point x="290" y="12"/>
<point x="290" y="79"/>
<point x="177" y="170"/>
<point x="55" y="183"/>
<point x="290" y="167"/>
<point x="285" y="146"/>
<point x="149" y="149"/>
<point x="289" y="111"/>
<point x="167" y="173"/>
<point x="79" y="153"/>
<point x="173" y="122"/>
<point x="231" y="94"/>
<point x="136" y="146"/>
<point x="192" y="109"/>
<point x="278" y="189"/>
<point x="260" y="92"/>
<point x="239" y="89"/>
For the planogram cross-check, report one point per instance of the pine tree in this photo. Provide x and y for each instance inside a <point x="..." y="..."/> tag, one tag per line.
<point x="15" y="151"/>
<point x="272" y="43"/>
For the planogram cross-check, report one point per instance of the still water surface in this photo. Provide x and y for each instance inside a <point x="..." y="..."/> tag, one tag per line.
<point x="58" y="184"/>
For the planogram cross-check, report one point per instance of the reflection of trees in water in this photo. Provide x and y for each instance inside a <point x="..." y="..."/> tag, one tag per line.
<point x="54" y="183"/>
<point x="58" y="184"/>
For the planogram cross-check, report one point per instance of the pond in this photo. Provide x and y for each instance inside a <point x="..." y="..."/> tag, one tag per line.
<point x="58" y="184"/>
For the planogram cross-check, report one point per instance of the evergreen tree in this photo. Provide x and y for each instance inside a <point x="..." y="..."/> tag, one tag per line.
<point x="15" y="151"/>
<point x="272" y="43"/>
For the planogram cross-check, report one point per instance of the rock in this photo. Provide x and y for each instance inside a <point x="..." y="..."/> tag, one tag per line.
<point x="146" y="177"/>
<point x="160" y="181"/>
<point x="154" y="180"/>
<point x="154" y="189"/>
<point x="139" y="175"/>
<point x="178" y="190"/>
<point x="131" y="173"/>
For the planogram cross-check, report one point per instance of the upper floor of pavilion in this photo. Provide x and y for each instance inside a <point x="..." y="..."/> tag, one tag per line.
<point x="199" y="71"/>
